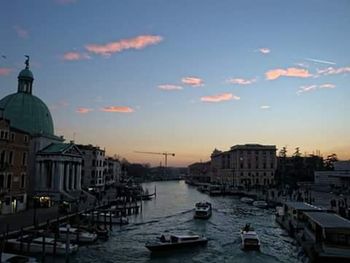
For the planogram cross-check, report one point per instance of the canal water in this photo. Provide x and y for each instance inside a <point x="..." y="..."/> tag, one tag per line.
<point x="172" y="212"/>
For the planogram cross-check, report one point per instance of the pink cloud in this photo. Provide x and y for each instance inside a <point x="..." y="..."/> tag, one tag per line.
<point x="289" y="72"/>
<point x="309" y="88"/>
<point x="139" y="42"/>
<point x="241" y="81"/>
<point x="220" y="97"/>
<point x="73" y="55"/>
<point x="21" y="32"/>
<point x="169" y="87"/>
<point x="83" y="110"/>
<point x="264" y="50"/>
<point x="5" y="71"/>
<point x="121" y="109"/>
<point x="193" y="81"/>
<point x="333" y="71"/>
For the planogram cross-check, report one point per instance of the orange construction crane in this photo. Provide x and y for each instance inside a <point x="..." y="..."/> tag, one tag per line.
<point x="164" y="153"/>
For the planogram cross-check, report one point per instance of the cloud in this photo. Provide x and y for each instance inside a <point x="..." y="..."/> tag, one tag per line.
<point x="121" y="109"/>
<point x="314" y="87"/>
<point x="21" y="32"/>
<point x="333" y="71"/>
<point x="320" y="61"/>
<point x="265" y="107"/>
<point x="220" y="97"/>
<point x="138" y="42"/>
<point x="169" y="87"/>
<point x="289" y="72"/>
<point x="73" y="55"/>
<point x="5" y="71"/>
<point x="83" y="110"/>
<point x="327" y="86"/>
<point x="241" y="81"/>
<point x="59" y="105"/>
<point x="193" y="81"/>
<point x="264" y="50"/>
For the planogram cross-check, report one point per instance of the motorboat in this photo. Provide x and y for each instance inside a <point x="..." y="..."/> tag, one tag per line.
<point x="203" y="210"/>
<point x="76" y="234"/>
<point x="35" y="245"/>
<point x="101" y="231"/>
<point x="247" y="200"/>
<point x="8" y="257"/>
<point x="176" y="242"/>
<point x="260" y="204"/>
<point x="250" y="239"/>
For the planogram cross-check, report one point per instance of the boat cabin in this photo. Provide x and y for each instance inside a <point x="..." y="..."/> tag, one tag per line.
<point x="329" y="233"/>
<point x="179" y="239"/>
<point x="292" y="217"/>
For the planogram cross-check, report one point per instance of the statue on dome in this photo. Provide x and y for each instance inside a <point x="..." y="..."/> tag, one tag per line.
<point x="27" y="61"/>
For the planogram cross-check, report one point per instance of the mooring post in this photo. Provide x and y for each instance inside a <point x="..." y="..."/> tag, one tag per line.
<point x="67" y="242"/>
<point x="21" y="241"/>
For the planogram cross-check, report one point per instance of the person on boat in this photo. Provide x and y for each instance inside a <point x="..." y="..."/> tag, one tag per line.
<point x="162" y="238"/>
<point x="246" y="227"/>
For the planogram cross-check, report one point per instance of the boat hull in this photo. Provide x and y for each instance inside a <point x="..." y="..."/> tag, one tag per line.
<point x="173" y="246"/>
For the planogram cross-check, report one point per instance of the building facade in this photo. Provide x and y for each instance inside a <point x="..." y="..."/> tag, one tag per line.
<point x="14" y="151"/>
<point x="244" y="165"/>
<point x="199" y="173"/>
<point x="339" y="177"/>
<point x="113" y="171"/>
<point x="94" y="167"/>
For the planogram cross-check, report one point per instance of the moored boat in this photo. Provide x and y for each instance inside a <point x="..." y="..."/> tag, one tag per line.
<point x="250" y="239"/>
<point x="108" y="217"/>
<point x="247" y="200"/>
<point x="260" y="204"/>
<point x="35" y="245"/>
<point x="76" y="234"/>
<point x="176" y="242"/>
<point x="8" y="257"/>
<point x="203" y="210"/>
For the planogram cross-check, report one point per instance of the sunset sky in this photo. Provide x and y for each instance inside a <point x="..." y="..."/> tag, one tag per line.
<point x="185" y="76"/>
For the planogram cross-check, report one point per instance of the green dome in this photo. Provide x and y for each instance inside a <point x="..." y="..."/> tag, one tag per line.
<point x="26" y="73"/>
<point x="27" y="112"/>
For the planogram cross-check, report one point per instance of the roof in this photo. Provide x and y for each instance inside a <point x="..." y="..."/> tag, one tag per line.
<point x="328" y="220"/>
<point x="61" y="148"/>
<point x="303" y="206"/>
<point x="28" y="113"/>
<point x="26" y="73"/>
<point x="253" y="147"/>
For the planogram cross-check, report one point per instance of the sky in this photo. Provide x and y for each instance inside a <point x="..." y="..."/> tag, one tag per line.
<point x="185" y="76"/>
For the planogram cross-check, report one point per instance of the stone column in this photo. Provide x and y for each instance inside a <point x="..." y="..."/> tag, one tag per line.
<point x="60" y="176"/>
<point x="53" y="172"/>
<point x="79" y="177"/>
<point x="67" y="176"/>
<point x="37" y="176"/>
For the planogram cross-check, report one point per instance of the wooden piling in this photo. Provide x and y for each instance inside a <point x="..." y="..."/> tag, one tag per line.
<point x="21" y="241"/>
<point x="67" y="242"/>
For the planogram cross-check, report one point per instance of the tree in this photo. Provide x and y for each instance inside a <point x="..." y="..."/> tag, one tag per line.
<point x="283" y="152"/>
<point x="329" y="161"/>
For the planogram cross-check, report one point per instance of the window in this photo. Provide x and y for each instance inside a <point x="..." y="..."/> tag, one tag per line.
<point x="272" y="165"/>
<point x="24" y="159"/>
<point x="2" y="157"/>
<point x="4" y="135"/>
<point x="25" y="138"/>
<point x="2" y="181"/>
<point x="9" y="181"/>
<point x="23" y="180"/>
<point x="12" y="136"/>
<point x="10" y="160"/>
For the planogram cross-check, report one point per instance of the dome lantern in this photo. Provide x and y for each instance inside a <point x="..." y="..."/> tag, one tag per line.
<point x="25" y="79"/>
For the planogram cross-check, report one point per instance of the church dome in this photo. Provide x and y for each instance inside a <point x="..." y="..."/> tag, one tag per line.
<point x="26" y="111"/>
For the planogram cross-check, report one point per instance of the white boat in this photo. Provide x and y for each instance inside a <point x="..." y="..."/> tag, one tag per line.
<point x="35" y="245"/>
<point x="247" y="200"/>
<point x="176" y="242"/>
<point x="260" y="204"/>
<point x="250" y="239"/>
<point x="8" y="257"/>
<point x="102" y="217"/>
<point x="73" y="233"/>
<point x="203" y="210"/>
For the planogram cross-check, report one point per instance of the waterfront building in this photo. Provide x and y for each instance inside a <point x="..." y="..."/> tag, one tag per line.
<point x="199" y="173"/>
<point x="14" y="151"/>
<point x="28" y="113"/>
<point x="245" y="165"/>
<point x="339" y="177"/>
<point x="329" y="236"/>
<point x="113" y="171"/>
<point x="93" y="167"/>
